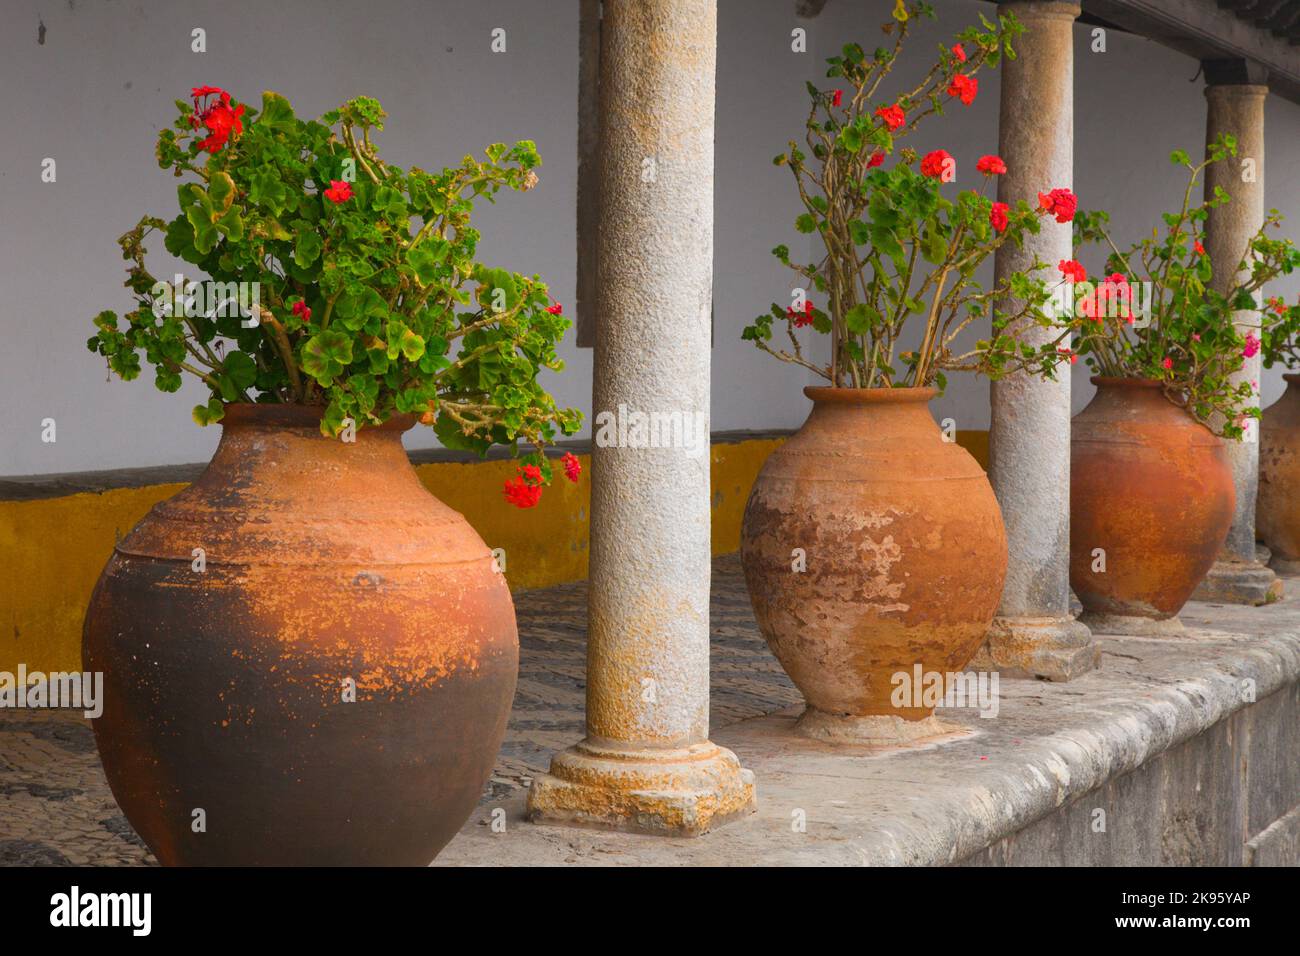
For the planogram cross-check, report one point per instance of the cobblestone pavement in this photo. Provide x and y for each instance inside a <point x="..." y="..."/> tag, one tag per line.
<point x="56" y="808"/>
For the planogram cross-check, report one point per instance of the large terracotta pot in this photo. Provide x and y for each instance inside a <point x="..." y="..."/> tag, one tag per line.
<point x="327" y="567"/>
<point x="1277" y="509"/>
<point x="904" y="544"/>
<point x="1152" y="489"/>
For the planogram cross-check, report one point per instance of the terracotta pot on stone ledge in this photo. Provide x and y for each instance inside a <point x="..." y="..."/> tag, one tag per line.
<point x="871" y="545"/>
<point x="1151" y="502"/>
<point x="325" y="566"/>
<point x="1277" y="509"/>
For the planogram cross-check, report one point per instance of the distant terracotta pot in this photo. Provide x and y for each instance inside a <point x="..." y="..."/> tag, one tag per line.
<point x="1277" y="509"/>
<point x="237" y="621"/>
<point x="1151" y="502"/>
<point x="901" y="545"/>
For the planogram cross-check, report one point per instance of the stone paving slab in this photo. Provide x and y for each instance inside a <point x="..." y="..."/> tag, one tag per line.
<point x="1049" y="744"/>
<point x="56" y="808"/>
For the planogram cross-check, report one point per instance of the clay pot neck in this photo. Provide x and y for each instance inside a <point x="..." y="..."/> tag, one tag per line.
<point x="281" y="445"/>
<point x="886" y="412"/>
<point x="1143" y="398"/>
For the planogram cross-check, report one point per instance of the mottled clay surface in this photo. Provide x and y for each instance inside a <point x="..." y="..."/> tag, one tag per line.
<point x="1152" y="489"/>
<point x="904" y="546"/>
<point x="1277" y="512"/>
<point x="325" y="562"/>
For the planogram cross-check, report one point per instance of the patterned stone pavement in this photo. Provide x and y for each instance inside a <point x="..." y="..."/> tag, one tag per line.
<point x="56" y="808"/>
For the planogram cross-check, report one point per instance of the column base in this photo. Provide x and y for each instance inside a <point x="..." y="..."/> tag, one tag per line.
<point x="1131" y="625"/>
<point x="1046" y="648"/>
<point x="1239" y="582"/>
<point x="682" y="792"/>
<point x="875" y="730"/>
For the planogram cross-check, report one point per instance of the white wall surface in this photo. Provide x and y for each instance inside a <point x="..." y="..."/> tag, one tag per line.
<point x="94" y="94"/>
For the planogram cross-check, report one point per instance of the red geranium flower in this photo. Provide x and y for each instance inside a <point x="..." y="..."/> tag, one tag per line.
<point x="1252" y="345"/>
<point x="960" y="53"/>
<point x="801" y="318"/>
<point x="876" y="159"/>
<point x="1060" y="203"/>
<point x="222" y="121"/>
<point x="526" y="490"/>
<point x="1168" y="362"/>
<point x="998" y="216"/>
<point x="991" y="166"/>
<point x="1199" y="249"/>
<point x="964" y="88"/>
<point x="302" y="310"/>
<point x="837" y="97"/>
<point x="893" y="116"/>
<point x="555" y="309"/>
<point x="934" y="163"/>
<point x="1072" y="270"/>
<point x="572" y="467"/>
<point x="340" y="191"/>
<point x="1073" y="356"/>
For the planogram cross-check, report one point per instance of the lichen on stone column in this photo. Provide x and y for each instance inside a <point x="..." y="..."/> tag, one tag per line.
<point x="1238" y="577"/>
<point x="647" y="763"/>
<point x="1034" y="634"/>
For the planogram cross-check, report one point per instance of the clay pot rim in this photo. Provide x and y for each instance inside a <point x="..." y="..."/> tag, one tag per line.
<point x="829" y="395"/>
<point x="1291" y="376"/>
<point x="289" y="415"/>
<point x="1122" y="382"/>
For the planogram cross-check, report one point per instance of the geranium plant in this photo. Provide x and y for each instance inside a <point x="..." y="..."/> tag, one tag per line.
<point x="893" y="246"/>
<point x="356" y="282"/>
<point x="1154" y="315"/>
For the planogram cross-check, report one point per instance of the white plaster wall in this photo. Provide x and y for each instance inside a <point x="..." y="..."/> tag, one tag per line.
<point x="94" y="94"/>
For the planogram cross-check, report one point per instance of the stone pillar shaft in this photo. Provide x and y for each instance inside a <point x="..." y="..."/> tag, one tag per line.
<point x="1029" y="435"/>
<point x="1238" y="109"/>
<point x="647" y="763"/>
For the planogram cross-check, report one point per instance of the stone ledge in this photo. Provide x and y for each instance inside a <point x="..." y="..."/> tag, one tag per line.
<point x="1143" y="711"/>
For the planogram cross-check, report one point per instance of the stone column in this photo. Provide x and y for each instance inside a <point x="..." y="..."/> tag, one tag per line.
<point x="647" y="763"/>
<point x="1236" y="93"/>
<point x="1034" y="634"/>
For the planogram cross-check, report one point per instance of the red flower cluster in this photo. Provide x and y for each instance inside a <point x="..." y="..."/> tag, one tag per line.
<point x="934" y="163"/>
<point x="1068" y="352"/>
<point x="1060" y="203"/>
<point x="998" y="216"/>
<point x="876" y="159"/>
<point x="893" y="116"/>
<point x="1198" y="248"/>
<point x="1095" y="305"/>
<point x="959" y="52"/>
<point x="1072" y="270"/>
<point x="991" y="166"/>
<point x="219" y="118"/>
<point x="1252" y="344"/>
<point x="837" y="97"/>
<point x="801" y="318"/>
<point x="555" y="309"/>
<point x="301" y="310"/>
<point x="526" y="490"/>
<point x="964" y="88"/>
<point x="340" y="191"/>
<point x="572" y="467"/>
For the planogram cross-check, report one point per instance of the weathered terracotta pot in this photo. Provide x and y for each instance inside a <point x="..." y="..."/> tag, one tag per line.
<point x="1152" y="488"/>
<point x="1277" y="509"/>
<point x="905" y="551"/>
<point x="326" y="566"/>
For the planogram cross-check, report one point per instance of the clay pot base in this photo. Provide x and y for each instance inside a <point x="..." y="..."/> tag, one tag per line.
<point x="878" y="730"/>
<point x="1132" y="625"/>
<point x="1285" y="565"/>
